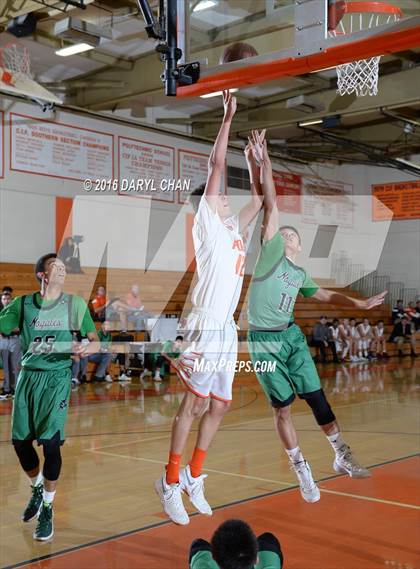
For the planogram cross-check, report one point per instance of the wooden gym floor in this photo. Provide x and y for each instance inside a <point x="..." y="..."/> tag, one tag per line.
<point x="107" y="514"/>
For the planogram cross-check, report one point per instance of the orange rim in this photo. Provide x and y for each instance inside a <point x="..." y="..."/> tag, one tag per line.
<point x="338" y="10"/>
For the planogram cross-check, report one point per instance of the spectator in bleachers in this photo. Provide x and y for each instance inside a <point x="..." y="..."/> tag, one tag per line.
<point x="417" y="316"/>
<point x="365" y="332"/>
<point x="354" y="341"/>
<point x="321" y="340"/>
<point x="398" y="311"/>
<point x="235" y="546"/>
<point x="102" y="358"/>
<point x="131" y="309"/>
<point x="11" y="354"/>
<point x="344" y="328"/>
<point x="8" y="290"/>
<point x="99" y="304"/>
<point x="379" y="341"/>
<point x="412" y="313"/>
<point x="160" y="362"/>
<point x="336" y="337"/>
<point x="402" y="333"/>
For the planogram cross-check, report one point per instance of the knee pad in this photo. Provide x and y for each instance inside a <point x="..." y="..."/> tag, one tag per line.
<point x="27" y="455"/>
<point x="52" y="455"/>
<point x="320" y="407"/>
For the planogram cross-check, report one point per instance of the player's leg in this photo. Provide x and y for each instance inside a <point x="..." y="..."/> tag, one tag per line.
<point x="305" y="378"/>
<point x="22" y="438"/>
<point x="51" y="395"/>
<point x="269" y="353"/>
<point x="223" y="352"/>
<point x="412" y="340"/>
<point x="168" y="486"/>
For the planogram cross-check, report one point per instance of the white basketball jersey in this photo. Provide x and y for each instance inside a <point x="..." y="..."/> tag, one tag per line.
<point x="220" y="256"/>
<point x="379" y="331"/>
<point x="365" y="329"/>
<point x="335" y="332"/>
<point x="344" y="330"/>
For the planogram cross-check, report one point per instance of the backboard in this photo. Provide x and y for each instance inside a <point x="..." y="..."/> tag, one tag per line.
<point x="29" y="88"/>
<point x="291" y="37"/>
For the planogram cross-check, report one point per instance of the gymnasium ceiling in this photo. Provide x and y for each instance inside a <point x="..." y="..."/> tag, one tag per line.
<point x="122" y="77"/>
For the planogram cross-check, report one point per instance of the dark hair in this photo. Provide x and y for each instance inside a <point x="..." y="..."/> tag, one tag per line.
<point x="196" y="195"/>
<point x="400" y="300"/>
<point x="352" y="318"/>
<point x="335" y="320"/>
<point x="293" y="229"/>
<point x="379" y="321"/>
<point x="7" y="289"/>
<point x="179" y="338"/>
<point x="40" y="264"/>
<point x="5" y="293"/>
<point x="234" y="545"/>
<point x="322" y="317"/>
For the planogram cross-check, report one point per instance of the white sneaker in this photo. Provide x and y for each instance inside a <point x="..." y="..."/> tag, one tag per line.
<point x="308" y="489"/>
<point x="75" y="381"/>
<point x="123" y="377"/>
<point x="157" y="377"/>
<point x="145" y="372"/>
<point x="108" y="378"/>
<point x="194" y="488"/>
<point x="345" y="463"/>
<point x="171" y="497"/>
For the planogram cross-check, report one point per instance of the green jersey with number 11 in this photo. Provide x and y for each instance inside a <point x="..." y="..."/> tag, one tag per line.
<point x="274" y="287"/>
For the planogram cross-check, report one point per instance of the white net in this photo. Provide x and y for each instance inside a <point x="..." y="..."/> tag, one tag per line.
<point x="360" y="77"/>
<point x="15" y="59"/>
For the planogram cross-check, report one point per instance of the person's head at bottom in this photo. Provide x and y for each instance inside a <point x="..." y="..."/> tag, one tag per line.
<point x="234" y="546"/>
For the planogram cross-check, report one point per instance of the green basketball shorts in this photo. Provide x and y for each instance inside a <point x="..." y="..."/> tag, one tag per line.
<point x="291" y="370"/>
<point x="40" y="405"/>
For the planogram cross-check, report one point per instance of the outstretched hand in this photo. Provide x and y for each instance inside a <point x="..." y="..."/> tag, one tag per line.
<point x="376" y="300"/>
<point x="184" y="365"/>
<point x="229" y="104"/>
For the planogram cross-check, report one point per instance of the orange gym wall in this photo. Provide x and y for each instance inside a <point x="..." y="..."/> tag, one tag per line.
<point x="63" y="220"/>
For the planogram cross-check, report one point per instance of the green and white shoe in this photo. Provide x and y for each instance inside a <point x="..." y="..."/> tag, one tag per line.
<point x="45" y="526"/>
<point x="34" y="505"/>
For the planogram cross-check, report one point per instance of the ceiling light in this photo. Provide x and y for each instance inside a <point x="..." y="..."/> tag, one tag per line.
<point x="204" y="4"/>
<point x="309" y="123"/>
<point x="217" y="93"/>
<point x="73" y="49"/>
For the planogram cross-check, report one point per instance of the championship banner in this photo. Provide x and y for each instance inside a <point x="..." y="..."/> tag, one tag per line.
<point x="402" y="198"/>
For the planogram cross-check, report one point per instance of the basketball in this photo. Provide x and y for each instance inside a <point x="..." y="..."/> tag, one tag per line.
<point x="237" y="51"/>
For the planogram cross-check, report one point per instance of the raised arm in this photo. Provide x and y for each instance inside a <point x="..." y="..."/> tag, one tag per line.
<point x="333" y="297"/>
<point x="271" y="213"/>
<point x="252" y="208"/>
<point x="217" y="158"/>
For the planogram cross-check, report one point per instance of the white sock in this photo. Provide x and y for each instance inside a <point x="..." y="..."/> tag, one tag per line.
<point x="336" y="441"/>
<point x="294" y="454"/>
<point x="48" y="496"/>
<point x="37" y="479"/>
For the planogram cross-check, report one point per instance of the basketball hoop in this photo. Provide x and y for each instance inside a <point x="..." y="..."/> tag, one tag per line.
<point x="15" y="62"/>
<point x="360" y="77"/>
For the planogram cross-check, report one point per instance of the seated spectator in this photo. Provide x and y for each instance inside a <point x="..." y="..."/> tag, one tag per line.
<point x="8" y="290"/>
<point x="379" y="341"/>
<point x="99" y="304"/>
<point x="344" y="328"/>
<point x="365" y="333"/>
<point x="412" y="312"/>
<point x="131" y="309"/>
<point x="335" y="336"/>
<point x="355" y="345"/>
<point x="160" y="362"/>
<point x="397" y="311"/>
<point x="10" y="353"/>
<point x="403" y="332"/>
<point x="416" y="318"/>
<point x="321" y="340"/>
<point x="234" y="545"/>
<point x="102" y="358"/>
<point x="69" y="253"/>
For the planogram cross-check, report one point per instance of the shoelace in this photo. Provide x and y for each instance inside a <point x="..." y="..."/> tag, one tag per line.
<point x="350" y="462"/>
<point x="36" y="494"/>
<point x="303" y="469"/>
<point x="45" y="516"/>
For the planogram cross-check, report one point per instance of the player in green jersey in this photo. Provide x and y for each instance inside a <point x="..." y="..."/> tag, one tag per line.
<point x="274" y="337"/>
<point x="46" y="320"/>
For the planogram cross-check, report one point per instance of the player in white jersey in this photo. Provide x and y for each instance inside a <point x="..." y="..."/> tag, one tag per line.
<point x="365" y="332"/>
<point x="344" y="329"/>
<point x="379" y="340"/>
<point x="336" y="337"/>
<point x="354" y="341"/>
<point x="207" y="366"/>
